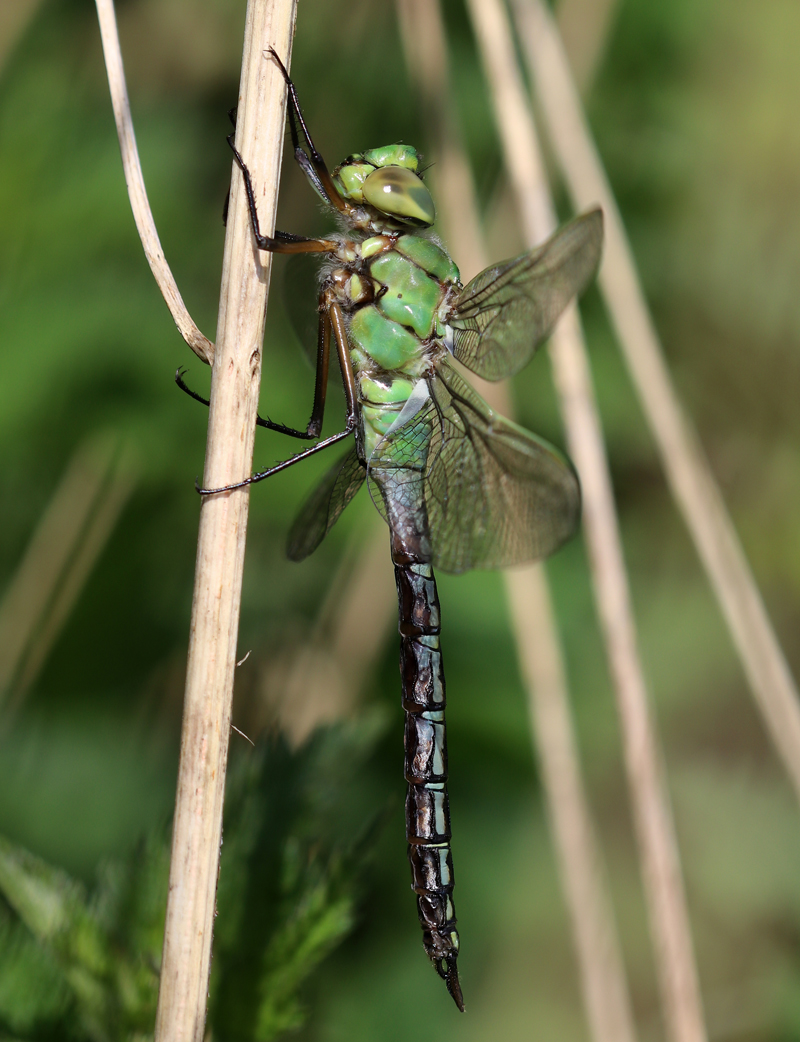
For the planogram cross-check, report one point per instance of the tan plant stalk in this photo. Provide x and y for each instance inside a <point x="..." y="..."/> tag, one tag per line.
<point x="688" y="472"/>
<point x="223" y="518"/>
<point x="54" y="564"/>
<point x="14" y="20"/>
<point x="601" y="969"/>
<point x="221" y="540"/>
<point x="105" y="513"/>
<point x="137" y="193"/>
<point x="327" y="673"/>
<point x="666" y="903"/>
<point x="585" y="26"/>
<point x="602" y="973"/>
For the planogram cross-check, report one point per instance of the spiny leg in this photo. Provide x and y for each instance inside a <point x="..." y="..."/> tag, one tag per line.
<point x="262" y="474"/>
<point x="314" y="426"/>
<point x="281" y="242"/>
<point x="331" y="319"/>
<point x="315" y="168"/>
<point x="270" y="425"/>
<point x="336" y="318"/>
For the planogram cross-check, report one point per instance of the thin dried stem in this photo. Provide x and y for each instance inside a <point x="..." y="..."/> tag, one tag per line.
<point x="105" y="514"/>
<point x="603" y="983"/>
<point x="425" y="51"/>
<point x="585" y="26"/>
<point x="70" y="535"/>
<point x="328" y="672"/>
<point x="223" y="522"/>
<point x="601" y="969"/>
<point x="14" y="20"/>
<point x="664" y="893"/>
<point x="688" y="472"/>
<point x="137" y="193"/>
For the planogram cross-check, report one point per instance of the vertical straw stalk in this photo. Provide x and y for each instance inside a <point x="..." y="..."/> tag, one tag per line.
<point x="585" y="27"/>
<point x="688" y="473"/>
<point x="652" y="814"/>
<point x="14" y="20"/>
<point x="221" y="540"/>
<point x="327" y="673"/>
<point x="601" y="970"/>
<point x="603" y="983"/>
<point x="235" y="379"/>
<point x="67" y="541"/>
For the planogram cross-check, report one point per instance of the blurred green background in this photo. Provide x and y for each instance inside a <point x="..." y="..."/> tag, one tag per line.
<point x="694" y="106"/>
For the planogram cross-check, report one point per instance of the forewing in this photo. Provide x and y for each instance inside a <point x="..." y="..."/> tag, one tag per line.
<point x="502" y="316"/>
<point x="324" y="506"/>
<point x="495" y="495"/>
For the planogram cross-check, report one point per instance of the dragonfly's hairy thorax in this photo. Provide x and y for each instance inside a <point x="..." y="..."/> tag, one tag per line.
<point x="396" y="291"/>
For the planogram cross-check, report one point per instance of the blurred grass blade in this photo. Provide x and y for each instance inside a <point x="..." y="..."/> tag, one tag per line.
<point x="688" y="472"/>
<point x="15" y="17"/>
<point x="605" y="989"/>
<point x="67" y="542"/>
<point x="327" y="673"/>
<point x="602" y="974"/>
<point x="425" y="51"/>
<point x="677" y="973"/>
<point x="585" y="27"/>
<point x="137" y="192"/>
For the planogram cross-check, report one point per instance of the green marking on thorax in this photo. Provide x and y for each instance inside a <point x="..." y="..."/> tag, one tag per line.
<point x="411" y="296"/>
<point x="429" y="256"/>
<point x="392" y="392"/>
<point x="388" y="343"/>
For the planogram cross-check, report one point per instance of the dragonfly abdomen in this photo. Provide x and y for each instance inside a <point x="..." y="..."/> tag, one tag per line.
<point x="427" y="810"/>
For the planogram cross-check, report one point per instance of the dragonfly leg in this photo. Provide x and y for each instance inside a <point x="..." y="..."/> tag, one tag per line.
<point x="281" y="242"/>
<point x="262" y="474"/>
<point x="314" y="167"/>
<point x="334" y="311"/>
<point x="270" y="425"/>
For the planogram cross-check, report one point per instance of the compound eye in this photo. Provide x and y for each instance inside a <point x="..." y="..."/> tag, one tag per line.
<point x="399" y="193"/>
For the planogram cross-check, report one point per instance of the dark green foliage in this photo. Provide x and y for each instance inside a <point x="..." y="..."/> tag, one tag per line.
<point x="82" y="963"/>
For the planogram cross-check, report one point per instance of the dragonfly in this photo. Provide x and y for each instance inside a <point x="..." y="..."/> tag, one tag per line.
<point x="459" y="485"/>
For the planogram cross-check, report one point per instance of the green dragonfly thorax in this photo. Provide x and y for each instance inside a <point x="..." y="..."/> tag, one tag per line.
<point x="386" y="180"/>
<point x="396" y="298"/>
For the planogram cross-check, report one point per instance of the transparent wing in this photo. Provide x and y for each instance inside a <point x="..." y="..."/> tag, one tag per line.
<point x="495" y="495"/>
<point x="502" y="316"/>
<point x="322" y="509"/>
<point x="300" y="295"/>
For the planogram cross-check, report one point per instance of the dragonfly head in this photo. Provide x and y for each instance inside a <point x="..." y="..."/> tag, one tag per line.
<point x="386" y="179"/>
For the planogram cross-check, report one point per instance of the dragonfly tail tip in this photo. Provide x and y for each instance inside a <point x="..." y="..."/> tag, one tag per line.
<point x="450" y="976"/>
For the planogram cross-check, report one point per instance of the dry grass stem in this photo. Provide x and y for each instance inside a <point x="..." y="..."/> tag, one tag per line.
<point x="688" y="472"/>
<point x="601" y="969"/>
<point x="14" y="20"/>
<point x="102" y="522"/>
<point x="221" y="541"/>
<point x="585" y="26"/>
<point x="603" y="983"/>
<point x="137" y="193"/>
<point x="67" y="541"/>
<point x="328" y="672"/>
<point x="652" y="813"/>
<point x="425" y="52"/>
